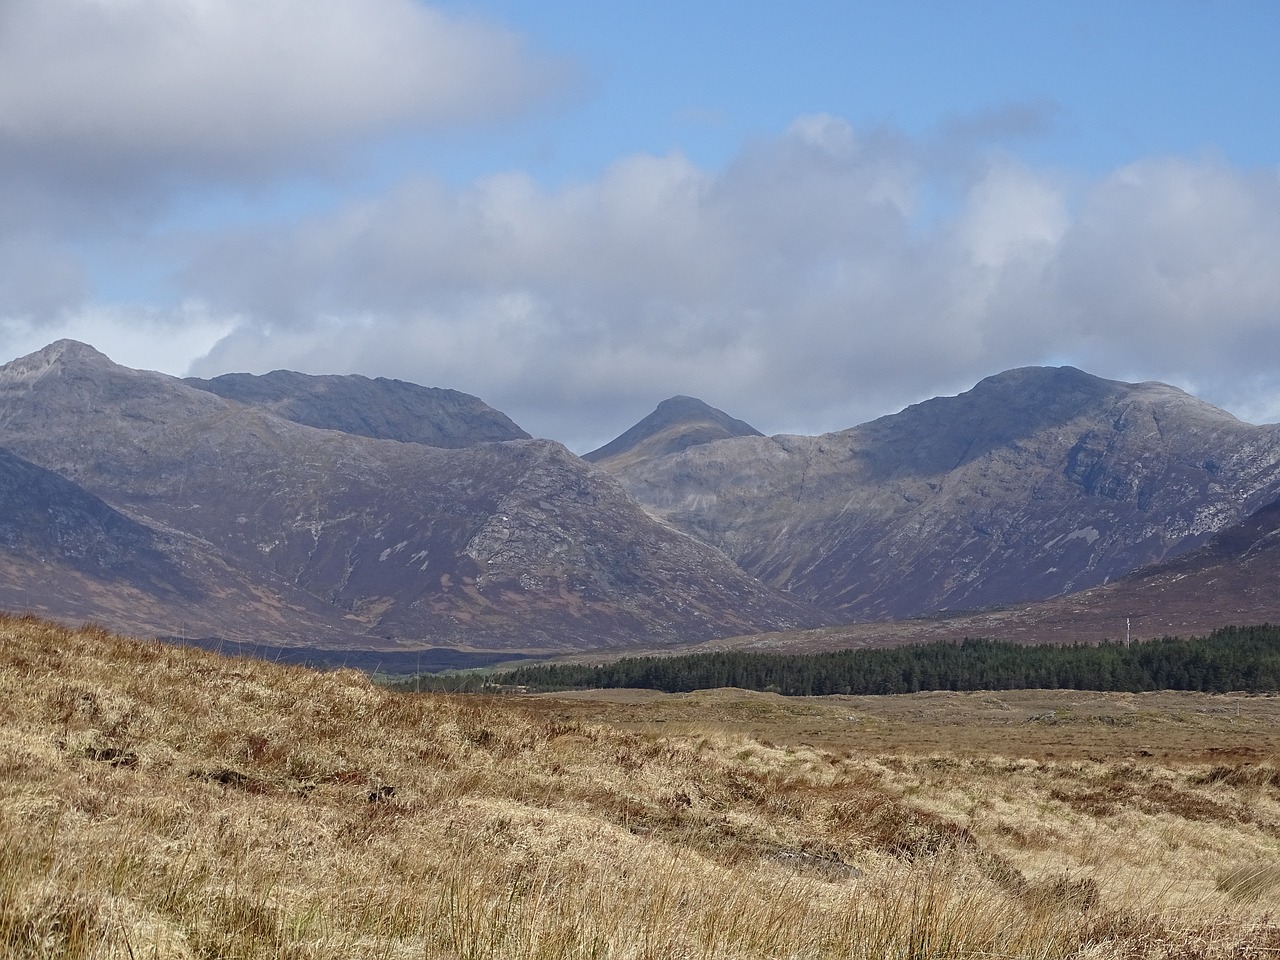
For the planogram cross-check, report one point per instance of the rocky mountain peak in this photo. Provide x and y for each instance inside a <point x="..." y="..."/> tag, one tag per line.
<point x="298" y="535"/>
<point x="1041" y="378"/>
<point x="681" y="406"/>
<point x="59" y="354"/>
<point x="676" y="424"/>
<point x="1020" y="407"/>
<point x="1018" y="401"/>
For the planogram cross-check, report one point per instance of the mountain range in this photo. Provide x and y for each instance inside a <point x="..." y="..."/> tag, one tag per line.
<point x="1035" y="483"/>
<point x="347" y="513"/>
<point x="309" y="534"/>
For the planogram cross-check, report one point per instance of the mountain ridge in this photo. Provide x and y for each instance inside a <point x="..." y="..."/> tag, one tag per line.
<point x="515" y="544"/>
<point x="379" y="408"/>
<point x="1037" y="482"/>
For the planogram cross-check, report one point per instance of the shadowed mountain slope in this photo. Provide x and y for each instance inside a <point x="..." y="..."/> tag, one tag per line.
<point x="47" y="520"/>
<point x="1231" y="579"/>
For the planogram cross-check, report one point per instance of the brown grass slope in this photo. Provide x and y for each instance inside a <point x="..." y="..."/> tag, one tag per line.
<point x="164" y="802"/>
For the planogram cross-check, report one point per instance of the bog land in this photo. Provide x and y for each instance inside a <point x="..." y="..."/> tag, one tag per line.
<point x="160" y="801"/>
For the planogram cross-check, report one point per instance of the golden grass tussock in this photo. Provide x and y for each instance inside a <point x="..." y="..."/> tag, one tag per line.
<point x="159" y="801"/>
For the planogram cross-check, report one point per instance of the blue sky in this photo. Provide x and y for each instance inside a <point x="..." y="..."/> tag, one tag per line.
<point x="1108" y="82"/>
<point x="807" y="214"/>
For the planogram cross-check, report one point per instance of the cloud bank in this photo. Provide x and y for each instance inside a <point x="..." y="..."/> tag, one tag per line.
<point x="118" y="115"/>
<point x="823" y="276"/>
<point x="223" y="88"/>
<point x="809" y="285"/>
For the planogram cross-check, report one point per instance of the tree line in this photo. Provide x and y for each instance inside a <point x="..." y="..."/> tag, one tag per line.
<point x="1229" y="659"/>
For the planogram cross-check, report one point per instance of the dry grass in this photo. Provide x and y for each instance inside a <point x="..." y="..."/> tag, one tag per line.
<point x="165" y="802"/>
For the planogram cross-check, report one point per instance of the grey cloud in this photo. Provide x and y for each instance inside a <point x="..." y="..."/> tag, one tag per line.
<point x="1170" y="264"/>
<point x="114" y="111"/>
<point x="649" y="228"/>
<point x="38" y="280"/>
<point x="1022" y="119"/>
<point x="220" y="86"/>
<point x="800" y="288"/>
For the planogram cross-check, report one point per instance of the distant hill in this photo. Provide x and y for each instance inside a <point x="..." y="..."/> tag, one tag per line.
<point x="382" y="409"/>
<point x="677" y="424"/>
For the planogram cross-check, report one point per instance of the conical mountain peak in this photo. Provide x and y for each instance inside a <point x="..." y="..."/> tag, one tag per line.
<point x="676" y="424"/>
<point x="60" y="353"/>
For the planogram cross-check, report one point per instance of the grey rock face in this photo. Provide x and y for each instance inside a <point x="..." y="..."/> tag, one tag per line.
<point x="382" y="409"/>
<point x="1035" y="483"/>
<point x="516" y="544"/>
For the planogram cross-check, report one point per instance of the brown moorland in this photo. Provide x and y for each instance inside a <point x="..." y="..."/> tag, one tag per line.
<point x="158" y="801"/>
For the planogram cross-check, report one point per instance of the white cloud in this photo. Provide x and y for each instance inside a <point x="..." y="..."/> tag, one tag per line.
<point x="824" y="276"/>
<point x="116" y="113"/>
<point x="1012" y="213"/>
<point x="225" y="86"/>
<point x="141" y="337"/>
<point x="795" y="288"/>
<point x="1173" y="255"/>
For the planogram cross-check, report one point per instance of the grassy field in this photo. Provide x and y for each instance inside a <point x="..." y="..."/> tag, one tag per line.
<point x="166" y="802"/>
<point x="1171" y="727"/>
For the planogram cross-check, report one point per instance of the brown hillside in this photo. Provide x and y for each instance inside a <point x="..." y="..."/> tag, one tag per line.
<point x="164" y="802"/>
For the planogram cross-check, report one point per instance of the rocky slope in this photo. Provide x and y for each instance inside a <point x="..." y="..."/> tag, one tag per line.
<point x="381" y="408"/>
<point x="66" y="553"/>
<point x="1035" y="483"/>
<point x="1230" y="579"/>
<point x="343" y="513"/>
<point x="347" y="539"/>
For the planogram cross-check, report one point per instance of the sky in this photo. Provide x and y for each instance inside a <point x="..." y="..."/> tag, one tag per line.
<point x="808" y="215"/>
